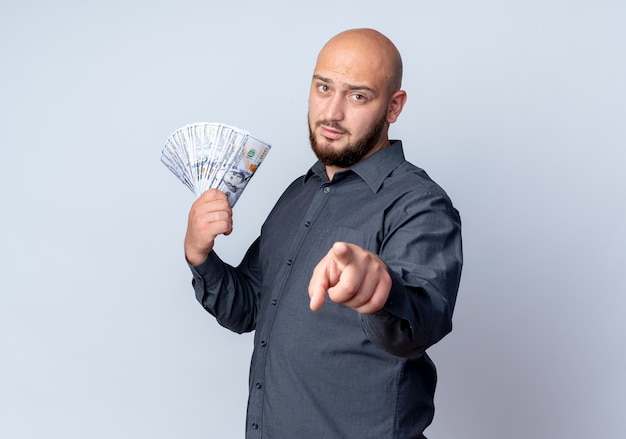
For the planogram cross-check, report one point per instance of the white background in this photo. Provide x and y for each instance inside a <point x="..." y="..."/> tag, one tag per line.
<point x="517" y="108"/>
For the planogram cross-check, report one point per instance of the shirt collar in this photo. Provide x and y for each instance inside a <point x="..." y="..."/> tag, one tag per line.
<point x="373" y="170"/>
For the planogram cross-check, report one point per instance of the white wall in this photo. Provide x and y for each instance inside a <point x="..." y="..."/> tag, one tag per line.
<point x="516" y="108"/>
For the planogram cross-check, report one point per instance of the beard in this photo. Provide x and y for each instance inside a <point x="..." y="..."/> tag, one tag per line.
<point x="353" y="152"/>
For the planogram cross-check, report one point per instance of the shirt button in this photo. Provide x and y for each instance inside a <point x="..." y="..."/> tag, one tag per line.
<point x="326" y="189"/>
<point x="274" y="301"/>
<point x="255" y="426"/>
<point x="263" y="343"/>
<point x="258" y="385"/>
<point x="289" y="261"/>
<point x="307" y="224"/>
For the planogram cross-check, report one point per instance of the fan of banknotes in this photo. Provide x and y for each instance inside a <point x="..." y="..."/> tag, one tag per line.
<point x="213" y="155"/>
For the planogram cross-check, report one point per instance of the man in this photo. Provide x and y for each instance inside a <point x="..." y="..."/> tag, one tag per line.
<point x="354" y="274"/>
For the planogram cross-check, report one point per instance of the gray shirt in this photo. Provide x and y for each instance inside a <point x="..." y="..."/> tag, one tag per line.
<point x="336" y="373"/>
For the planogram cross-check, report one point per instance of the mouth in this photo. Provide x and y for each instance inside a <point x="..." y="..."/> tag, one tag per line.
<point x="331" y="133"/>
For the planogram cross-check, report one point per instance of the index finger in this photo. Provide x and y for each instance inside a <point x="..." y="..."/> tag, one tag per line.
<point x="342" y="254"/>
<point x="327" y="272"/>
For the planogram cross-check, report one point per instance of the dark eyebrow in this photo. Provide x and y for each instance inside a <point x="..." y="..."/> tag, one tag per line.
<point x="321" y="78"/>
<point x="349" y="87"/>
<point x="361" y="87"/>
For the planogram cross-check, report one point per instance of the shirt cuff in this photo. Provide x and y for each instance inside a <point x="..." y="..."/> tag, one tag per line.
<point x="397" y="301"/>
<point x="207" y="269"/>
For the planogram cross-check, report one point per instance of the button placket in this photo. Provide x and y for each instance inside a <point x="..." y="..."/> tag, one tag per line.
<point x="258" y="391"/>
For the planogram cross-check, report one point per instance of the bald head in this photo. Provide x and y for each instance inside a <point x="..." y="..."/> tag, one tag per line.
<point x="355" y="95"/>
<point x="370" y="49"/>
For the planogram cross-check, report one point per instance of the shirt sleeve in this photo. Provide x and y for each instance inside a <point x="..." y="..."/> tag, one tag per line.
<point x="230" y="294"/>
<point x="423" y="253"/>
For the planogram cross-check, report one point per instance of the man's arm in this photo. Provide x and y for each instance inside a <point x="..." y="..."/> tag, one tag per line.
<point x="228" y="293"/>
<point x="405" y="295"/>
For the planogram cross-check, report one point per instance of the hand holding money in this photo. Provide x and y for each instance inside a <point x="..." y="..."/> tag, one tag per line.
<point x="210" y="215"/>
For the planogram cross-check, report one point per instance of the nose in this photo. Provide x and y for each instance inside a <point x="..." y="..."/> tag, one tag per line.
<point x="334" y="107"/>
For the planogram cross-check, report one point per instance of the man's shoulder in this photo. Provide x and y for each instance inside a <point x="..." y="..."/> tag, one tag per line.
<point x="414" y="177"/>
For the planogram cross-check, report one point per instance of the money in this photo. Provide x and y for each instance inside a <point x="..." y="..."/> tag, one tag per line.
<point x="214" y="156"/>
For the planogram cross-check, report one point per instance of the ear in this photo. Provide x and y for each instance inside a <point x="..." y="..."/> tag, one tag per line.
<point x="396" y="103"/>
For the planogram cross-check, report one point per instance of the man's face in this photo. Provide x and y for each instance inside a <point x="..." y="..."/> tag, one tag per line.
<point x="347" y="107"/>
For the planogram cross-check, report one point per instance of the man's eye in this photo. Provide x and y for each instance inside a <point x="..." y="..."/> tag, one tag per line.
<point x="359" y="97"/>
<point x="323" y="88"/>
